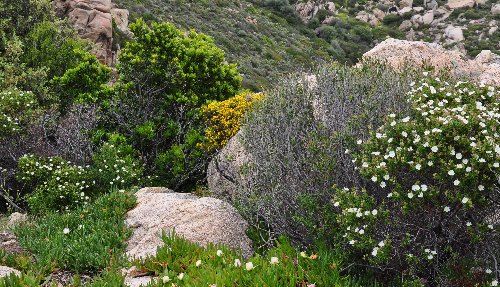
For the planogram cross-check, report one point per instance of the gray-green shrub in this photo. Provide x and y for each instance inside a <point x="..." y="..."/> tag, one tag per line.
<point x="297" y="136"/>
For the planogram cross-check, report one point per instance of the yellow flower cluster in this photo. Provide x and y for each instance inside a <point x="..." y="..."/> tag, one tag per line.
<point x="224" y="118"/>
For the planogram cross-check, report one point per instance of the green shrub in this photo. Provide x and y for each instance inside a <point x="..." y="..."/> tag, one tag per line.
<point x="115" y="165"/>
<point x="181" y="263"/>
<point x="17" y="110"/>
<point x="392" y="19"/>
<point x="431" y="205"/>
<point x="296" y="136"/>
<point x="84" y="240"/>
<point x="55" y="184"/>
<point x="166" y="76"/>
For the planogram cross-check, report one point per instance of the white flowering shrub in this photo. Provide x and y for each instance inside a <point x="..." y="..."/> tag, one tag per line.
<point x="55" y="184"/>
<point x="430" y="209"/>
<point x="115" y="165"/>
<point x="16" y="109"/>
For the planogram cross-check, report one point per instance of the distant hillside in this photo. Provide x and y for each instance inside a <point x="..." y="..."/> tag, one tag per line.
<point x="270" y="37"/>
<point x="265" y="38"/>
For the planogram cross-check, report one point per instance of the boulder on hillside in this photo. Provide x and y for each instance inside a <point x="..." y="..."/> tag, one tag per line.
<point x="92" y="19"/>
<point x="225" y="171"/>
<point x="495" y="9"/>
<point x="454" y="34"/>
<point x="200" y="220"/>
<point x="457" y="4"/>
<point x="401" y="53"/>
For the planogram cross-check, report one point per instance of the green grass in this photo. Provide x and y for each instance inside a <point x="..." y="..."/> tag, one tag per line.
<point x="96" y="235"/>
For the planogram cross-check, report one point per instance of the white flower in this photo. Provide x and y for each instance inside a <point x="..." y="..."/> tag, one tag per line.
<point x="430" y="163"/>
<point x="451" y="172"/>
<point x="434" y="149"/>
<point x="362" y="231"/>
<point x="352" y="242"/>
<point x="488" y="271"/>
<point x="219" y="253"/>
<point x="390" y="194"/>
<point x="418" y="166"/>
<point x="392" y="153"/>
<point x="336" y="204"/>
<point x="274" y="260"/>
<point x="374" y="212"/>
<point x="410" y="195"/>
<point x="490" y="226"/>
<point x="468" y="223"/>
<point x="180" y="276"/>
<point x="458" y="156"/>
<point x="496" y="164"/>
<point x="404" y="134"/>
<point x="198" y="263"/>
<point x="374" y="178"/>
<point x="375" y="251"/>
<point x="303" y="254"/>
<point x="386" y="177"/>
<point x="456" y="182"/>
<point x="446" y="209"/>
<point x="465" y="200"/>
<point x="405" y="120"/>
<point x="66" y="230"/>
<point x="494" y="283"/>
<point x="165" y="279"/>
<point x="420" y="194"/>
<point x="423" y="187"/>
<point x="480" y="187"/>
<point x="381" y="243"/>
<point x="249" y="266"/>
<point x="383" y="184"/>
<point x="237" y="263"/>
<point x="359" y="142"/>
<point x="430" y="256"/>
<point x="415" y="187"/>
<point x="346" y="151"/>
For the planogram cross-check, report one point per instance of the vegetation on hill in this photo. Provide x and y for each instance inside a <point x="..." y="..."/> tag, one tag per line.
<point x="359" y="176"/>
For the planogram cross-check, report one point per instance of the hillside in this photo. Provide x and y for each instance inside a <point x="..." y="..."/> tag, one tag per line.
<point x="265" y="38"/>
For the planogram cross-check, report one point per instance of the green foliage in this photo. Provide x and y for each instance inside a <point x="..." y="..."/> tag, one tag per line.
<point x="17" y="110"/>
<point x="392" y="19"/>
<point x="115" y="165"/>
<point x="84" y="240"/>
<point x="183" y="263"/>
<point x="18" y="17"/>
<point x="433" y="196"/>
<point x="56" y="184"/>
<point x="166" y="75"/>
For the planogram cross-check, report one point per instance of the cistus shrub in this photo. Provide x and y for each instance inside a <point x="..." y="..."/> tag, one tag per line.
<point x="16" y="111"/>
<point x="431" y="208"/>
<point x="224" y="119"/>
<point x="296" y="137"/>
<point x="54" y="183"/>
<point x="115" y="165"/>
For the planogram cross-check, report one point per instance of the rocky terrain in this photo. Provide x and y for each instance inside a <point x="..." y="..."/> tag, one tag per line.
<point x="464" y="25"/>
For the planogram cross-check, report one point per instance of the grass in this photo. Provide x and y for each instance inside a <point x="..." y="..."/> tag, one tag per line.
<point x="94" y="235"/>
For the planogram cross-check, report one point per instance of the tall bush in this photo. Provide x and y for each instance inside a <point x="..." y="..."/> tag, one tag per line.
<point x="166" y="75"/>
<point x="296" y="139"/>
<point x="431" y="210"/>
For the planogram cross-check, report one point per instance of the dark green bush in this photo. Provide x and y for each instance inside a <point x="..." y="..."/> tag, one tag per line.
<point x="392" y="19"/>
<point x="166" y="75"/>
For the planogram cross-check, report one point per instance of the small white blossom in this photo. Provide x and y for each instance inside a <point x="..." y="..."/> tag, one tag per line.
<point x="465" y="200"/>
<point x="446" y="209"/>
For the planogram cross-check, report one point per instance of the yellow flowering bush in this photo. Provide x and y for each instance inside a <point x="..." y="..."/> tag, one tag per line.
<point x="223" y="118"/>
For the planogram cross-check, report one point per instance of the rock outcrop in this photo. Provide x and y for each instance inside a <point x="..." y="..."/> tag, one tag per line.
<point x="401" y="53"/>
<point x="225" y="171"/>
<point x="201" y="220"/>
<point x="93" y="19"/>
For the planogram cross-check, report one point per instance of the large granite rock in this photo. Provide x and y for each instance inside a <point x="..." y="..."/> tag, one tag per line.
<point x="401" y="53"/>
<point x="93" y="19"/>
<point x="225" y="173"/>
<point x="456" y="4"/>
<point x="201" y="220"/>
